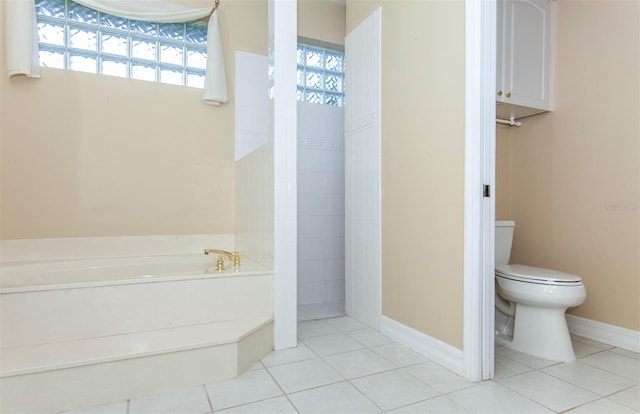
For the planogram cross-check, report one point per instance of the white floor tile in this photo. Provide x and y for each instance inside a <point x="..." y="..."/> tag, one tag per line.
<point x="440" y="405"/>
<point x="505" y="367"/>
<point x="525" y="359"/>
<point x="192" y="400"/>
<point x="256" y="366"/>
<point x="271" y="406"/>
<point x="370" y="337"/>
<point x="358" y="363"/>
<point x="439" y="378"/>
<point x="626" y="353"/>
<point x="285" y="356"/>
<point x="590" y="378"/>
<point x="603" y="406"/>
<point x="394" y="389"/>
<point x="332" y="344"/>
<point x="250" y="387"/>
<point x="493" y="398"/>
<point x="321" y="310"/>
<point x="629" y="398"/>
<point x="315" y="328"/>
<point x="615" y="363"/>
<point x="113" y="408"/>
<point x="399" y="355"/>
<point x="345" y="324"/>
<point x="591" y="342"/>
<point x="303" y="375"/>
<point x="582" y="349"/>
<point x="336" y="398"/>
<point x="549" y="391"/>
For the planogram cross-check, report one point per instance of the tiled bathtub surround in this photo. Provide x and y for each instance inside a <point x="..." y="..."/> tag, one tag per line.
<point x="254" y="196"/>
<point x="320" y="203"/>
<point x="341" y="366"/>
<point x="31" y="250"/>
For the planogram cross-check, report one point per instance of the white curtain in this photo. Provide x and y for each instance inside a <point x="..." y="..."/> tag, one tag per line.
<point x="22" y="38"/>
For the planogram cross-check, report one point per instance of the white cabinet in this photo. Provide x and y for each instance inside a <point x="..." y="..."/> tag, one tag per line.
<point x="524" y="29"/>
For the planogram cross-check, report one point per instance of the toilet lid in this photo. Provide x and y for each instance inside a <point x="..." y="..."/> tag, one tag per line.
<point x="537" y="275"/>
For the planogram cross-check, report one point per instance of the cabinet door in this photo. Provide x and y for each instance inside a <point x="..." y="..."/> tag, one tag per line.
<point x="526" y="54"/>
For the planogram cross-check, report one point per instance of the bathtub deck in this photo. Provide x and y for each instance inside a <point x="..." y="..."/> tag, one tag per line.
<point x="61" y="355"/>
<point x="99" y="370"/>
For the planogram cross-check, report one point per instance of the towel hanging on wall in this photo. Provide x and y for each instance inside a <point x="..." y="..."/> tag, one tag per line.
<point x="215" y="80"/>
<point x="22" y="39"/>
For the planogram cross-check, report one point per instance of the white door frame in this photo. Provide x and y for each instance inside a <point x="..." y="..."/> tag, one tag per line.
<point x="479" y="210"/>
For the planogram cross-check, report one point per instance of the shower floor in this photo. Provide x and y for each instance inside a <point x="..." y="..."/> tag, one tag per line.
<point x="322" y="310"/>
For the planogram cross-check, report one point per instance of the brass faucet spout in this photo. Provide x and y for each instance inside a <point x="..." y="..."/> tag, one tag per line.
<point x="233" y="256"/>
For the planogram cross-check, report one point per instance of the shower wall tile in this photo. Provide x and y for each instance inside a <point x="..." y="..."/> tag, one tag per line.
<point x="363" y="171"/>
<point x="320" y="203"/>
<point x="254" y="198"/>
<point x="252" y="103"/>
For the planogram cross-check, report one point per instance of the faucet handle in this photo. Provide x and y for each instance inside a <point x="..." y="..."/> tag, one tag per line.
<point x="236" y="259"/>
<point x="220" y="263"/>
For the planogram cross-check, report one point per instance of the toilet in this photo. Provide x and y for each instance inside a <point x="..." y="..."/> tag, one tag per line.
<point x="531" y="303"/>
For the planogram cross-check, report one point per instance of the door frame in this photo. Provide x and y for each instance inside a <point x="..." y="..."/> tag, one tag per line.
<point x="479" y="209"/>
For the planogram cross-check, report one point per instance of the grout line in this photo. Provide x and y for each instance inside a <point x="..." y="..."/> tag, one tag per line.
<point x="365" y="396"/>
<point x="206" y="393"/>
<point x="279" y="386"/>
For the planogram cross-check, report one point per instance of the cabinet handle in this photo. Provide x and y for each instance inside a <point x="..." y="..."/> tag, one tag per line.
<point x="508" y="95"/>
<point x="499" y="93"/>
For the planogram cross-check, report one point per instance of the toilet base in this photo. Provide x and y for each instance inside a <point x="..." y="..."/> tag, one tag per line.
<point x="543" y="333"/>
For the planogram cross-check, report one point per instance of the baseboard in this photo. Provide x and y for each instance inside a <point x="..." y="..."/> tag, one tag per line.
<point x="437" y="351"/>
<point x="604" y="332"/>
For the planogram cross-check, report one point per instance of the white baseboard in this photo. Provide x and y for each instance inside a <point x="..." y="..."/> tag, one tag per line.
<point x="437" y="351"/>
<point x="604" y="332"/>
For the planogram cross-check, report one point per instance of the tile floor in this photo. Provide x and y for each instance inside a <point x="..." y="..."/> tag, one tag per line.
<point x="341" y="366"/>
<point x="321" y="310"/>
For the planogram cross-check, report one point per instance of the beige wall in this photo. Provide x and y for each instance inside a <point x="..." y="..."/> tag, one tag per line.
<point x="503" y="176"/>
<point x="422" y="162"/>
<point x="575" y="172"/>
<point x="86" y="155"/>
<point x="322" y="20"/>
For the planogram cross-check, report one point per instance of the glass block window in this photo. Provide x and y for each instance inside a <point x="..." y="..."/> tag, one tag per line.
<point x="74" y="37"/>
<point x="320" y="75"/>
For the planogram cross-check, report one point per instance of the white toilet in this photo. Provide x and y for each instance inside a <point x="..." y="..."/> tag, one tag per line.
<point x="531" y="302"/>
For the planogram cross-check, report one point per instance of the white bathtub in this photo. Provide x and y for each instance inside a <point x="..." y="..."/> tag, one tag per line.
<point x="67" y="274"/>
<point x="89" y="325"/>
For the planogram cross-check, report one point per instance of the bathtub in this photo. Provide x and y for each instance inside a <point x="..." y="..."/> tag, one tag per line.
<point x="93" y="331"/>
<point x="67" y="274"/>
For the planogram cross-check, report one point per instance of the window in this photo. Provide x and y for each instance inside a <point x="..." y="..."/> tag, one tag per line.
<point x="320" y="75"/>
<point x="74" y="37"/>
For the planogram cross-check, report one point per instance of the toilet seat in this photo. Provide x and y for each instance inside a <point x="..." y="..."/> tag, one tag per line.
<point x="537" y="275"/>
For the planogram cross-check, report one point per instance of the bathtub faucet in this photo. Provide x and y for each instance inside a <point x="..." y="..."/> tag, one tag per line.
<point x="234" y="257"/>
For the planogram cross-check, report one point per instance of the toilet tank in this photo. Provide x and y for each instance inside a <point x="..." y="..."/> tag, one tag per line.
<point x="504" y="237"/>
